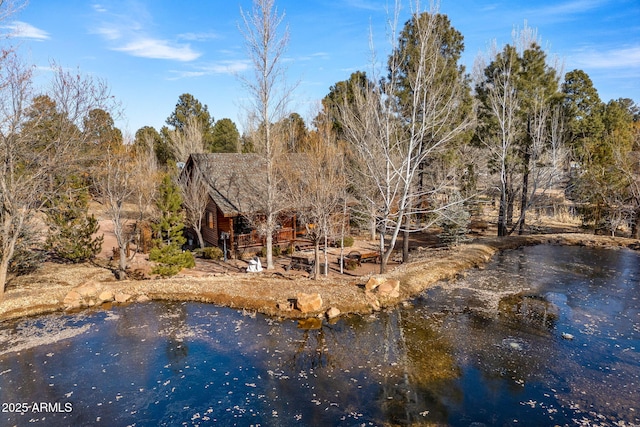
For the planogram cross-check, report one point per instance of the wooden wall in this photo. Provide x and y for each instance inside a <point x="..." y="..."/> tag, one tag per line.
<point x="209" y="225"/>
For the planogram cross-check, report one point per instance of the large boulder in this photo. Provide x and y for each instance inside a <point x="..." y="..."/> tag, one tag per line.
<point x="332" y="313"/>
<point x="308" y="303"/>
<point x="389" y="289"/>
<point x="87" y="290"/>
<point x="373" y="283"/>
<point x="106" y="296"/>
<point x="143" y="298"/>
<point x="122" y="297"/>
<point x="73" y="300"/>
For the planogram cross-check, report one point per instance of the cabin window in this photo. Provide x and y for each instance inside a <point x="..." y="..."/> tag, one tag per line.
<point x="210" y="220"/>
<point x="241" y="225"/>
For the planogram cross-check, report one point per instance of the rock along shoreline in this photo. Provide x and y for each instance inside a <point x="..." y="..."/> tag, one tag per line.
<point x="275" y="295"/>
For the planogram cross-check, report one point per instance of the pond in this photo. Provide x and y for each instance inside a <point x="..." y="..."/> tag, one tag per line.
<point x="543" y="335"/>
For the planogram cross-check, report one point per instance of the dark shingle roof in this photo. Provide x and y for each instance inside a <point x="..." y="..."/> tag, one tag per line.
<point x="235" y="180"/>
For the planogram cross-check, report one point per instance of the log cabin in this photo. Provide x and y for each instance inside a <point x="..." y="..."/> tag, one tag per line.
<point x="236" y="182"/>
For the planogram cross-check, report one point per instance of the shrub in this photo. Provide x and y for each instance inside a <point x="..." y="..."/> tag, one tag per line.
<point x="212" y="252"/>
<point x="276" y="251"/>
<point x="170" y="262"/>
<point x="351" y="264"/>
<point x="26" y="259"/>
<point x="455" y="222"/>
<point x="347" y="242"/>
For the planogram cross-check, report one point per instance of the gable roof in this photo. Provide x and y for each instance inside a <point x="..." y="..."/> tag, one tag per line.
<point x="233" y="179"/>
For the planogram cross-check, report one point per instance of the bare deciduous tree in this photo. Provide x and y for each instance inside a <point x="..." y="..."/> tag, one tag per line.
<point x="33" y="168"/>
<point x="195" y="196"/>
<point x="317" y="187"/>
<point x="269" y="97"/>
<point x="496" y="87"/>
<point x="114" y="183"/>
<point x="393" y="139"/>
<point x="145" y="179"/>
<point x="145" y="176"/>
<point x="187" y="140"/>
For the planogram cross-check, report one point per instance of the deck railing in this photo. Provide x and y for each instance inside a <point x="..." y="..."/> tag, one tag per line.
<point x="283" y="235"/>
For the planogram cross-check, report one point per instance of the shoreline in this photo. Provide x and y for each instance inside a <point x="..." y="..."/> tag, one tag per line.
<point x="273" y="294"/>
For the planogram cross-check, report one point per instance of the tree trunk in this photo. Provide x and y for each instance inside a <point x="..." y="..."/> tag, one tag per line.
<point x="326" y="256"/>
<point x="384" y="256"/>
<point x="122" y="263"/>
<point x="372" y="228"/>
<point x="4" y="264"/>
<point x="510" y="202"/>
<point x="4" y="268"/>
<point x="269" y="244"/>
<point x="635" y="227"/>
<point x="270" y="229"/>
<point x="200" y="238"/>
<point x="405" y="240"/>
<point x="502" y="218"/>
<point x="316" y="259"/>
<point x="524" y="201"/>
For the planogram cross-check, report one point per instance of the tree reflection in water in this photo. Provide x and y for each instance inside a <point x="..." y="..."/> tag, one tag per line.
<point x="485" y="349"/>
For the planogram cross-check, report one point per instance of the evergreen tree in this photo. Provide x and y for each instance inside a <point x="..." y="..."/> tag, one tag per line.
<point x="148" y="136"/>
<point x="583" y="109"/>
<point x="99" y="129"/>
<point x="186" y="107"/>
<point x="538" y="89"/>
<point x="72" y="231"/>
<point x="168" y="252"/>
<point x="295" y="132"/>
<point x="607" y="180"/>
<point x="455" y="221"/>
<point x="340" y="93"/>
<point x="225" y="137"/>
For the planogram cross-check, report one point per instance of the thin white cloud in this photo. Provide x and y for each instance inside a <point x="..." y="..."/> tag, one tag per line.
<point x="317" y="55"/>
<point x="186" y="74"/>
<point x="228" y="67"/>
<point x="158" y="49"/>
<point x="567" y="9"/>
<point x="99" y="8"/>
<point x="127" y="31"/>
<point x="23" y="30"/>
<point x="489" y="7"/>
<point x="615" y="58"/>
<point x="108" y="32"/>
<point x="366" y="5"/>
<point x="198" y="37"/>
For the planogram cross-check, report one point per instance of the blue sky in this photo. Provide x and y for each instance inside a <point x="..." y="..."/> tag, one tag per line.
<point x="152" y="51"/>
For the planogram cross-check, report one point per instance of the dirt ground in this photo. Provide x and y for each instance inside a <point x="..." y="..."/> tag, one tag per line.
<point x="272" y="292"/>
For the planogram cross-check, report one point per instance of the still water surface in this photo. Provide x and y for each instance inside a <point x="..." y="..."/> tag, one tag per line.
<point x="544" y="335"/>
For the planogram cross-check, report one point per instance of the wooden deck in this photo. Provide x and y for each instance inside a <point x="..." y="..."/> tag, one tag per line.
<point x="253" y="239"/>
